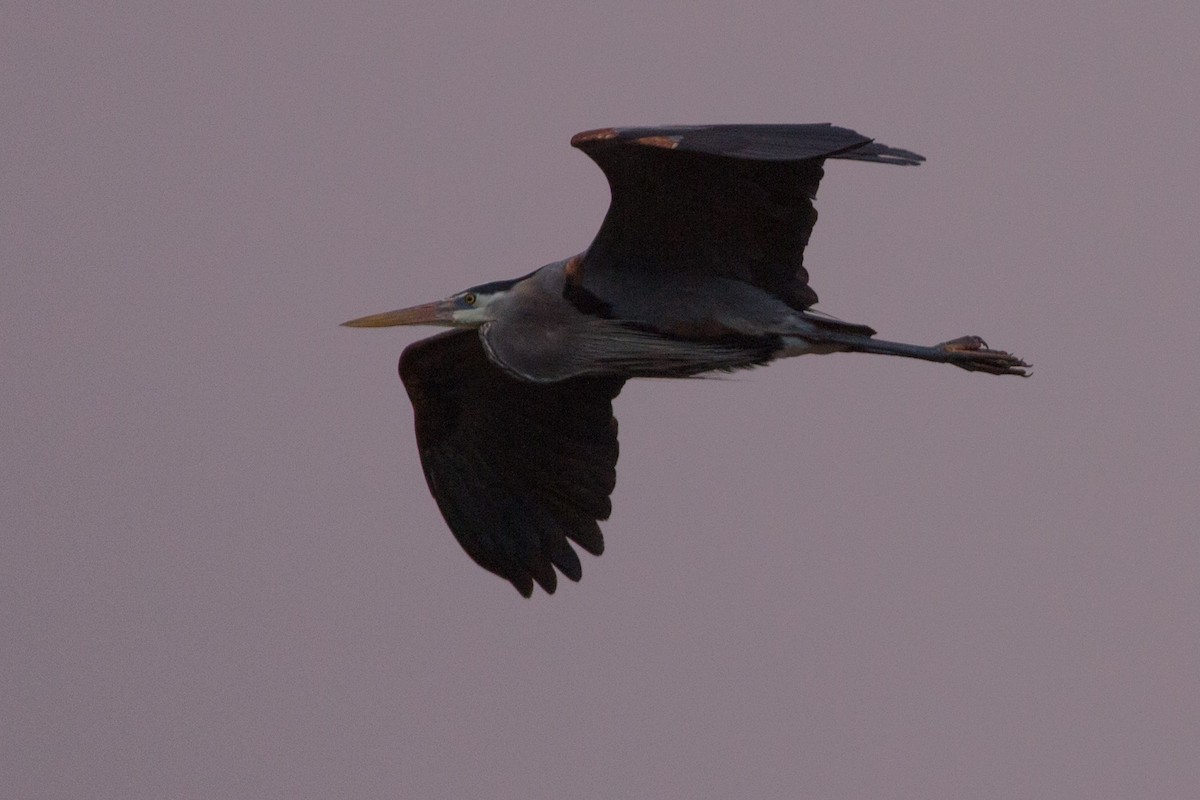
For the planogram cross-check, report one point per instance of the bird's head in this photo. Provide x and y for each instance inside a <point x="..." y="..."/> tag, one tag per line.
<point x="466" y="309"/>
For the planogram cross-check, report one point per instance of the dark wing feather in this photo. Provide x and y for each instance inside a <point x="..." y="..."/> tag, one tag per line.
<point x="727" y="200"/>
<point x="516" y="468"/>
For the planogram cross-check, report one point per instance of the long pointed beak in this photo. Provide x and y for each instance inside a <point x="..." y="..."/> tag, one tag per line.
<point x="438" y="312"/>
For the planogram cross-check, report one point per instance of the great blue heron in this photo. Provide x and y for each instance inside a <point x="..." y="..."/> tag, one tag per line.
<point x="697" y="267"/>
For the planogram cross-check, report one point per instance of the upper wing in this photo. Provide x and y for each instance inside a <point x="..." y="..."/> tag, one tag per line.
<point x="516" y="468"/>
<point x="727" y="200"/>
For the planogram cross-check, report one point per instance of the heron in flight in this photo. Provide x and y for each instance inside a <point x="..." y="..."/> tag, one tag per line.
<point x="697" y="267"/>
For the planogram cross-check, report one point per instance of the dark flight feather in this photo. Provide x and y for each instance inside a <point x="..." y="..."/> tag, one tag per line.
<point x="517" y="468"/>
<point x="726" y="200"/>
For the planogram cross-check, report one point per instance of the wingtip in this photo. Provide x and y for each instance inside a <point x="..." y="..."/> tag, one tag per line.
<point x="882" y="154"/>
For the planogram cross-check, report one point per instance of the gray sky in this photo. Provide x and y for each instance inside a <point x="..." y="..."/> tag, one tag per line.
<point x="840" y="577"/>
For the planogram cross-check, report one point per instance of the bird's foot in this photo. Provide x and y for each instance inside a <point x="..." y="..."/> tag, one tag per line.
<point x="971" y="353"/>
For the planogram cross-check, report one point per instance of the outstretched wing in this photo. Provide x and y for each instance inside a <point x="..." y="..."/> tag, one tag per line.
<point x="516" y="468"/>
<point x="734" y="201"/>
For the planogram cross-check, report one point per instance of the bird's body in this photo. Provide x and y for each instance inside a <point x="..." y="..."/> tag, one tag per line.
<point x="697" y="267"/>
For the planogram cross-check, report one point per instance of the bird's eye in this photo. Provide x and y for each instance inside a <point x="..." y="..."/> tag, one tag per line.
<point x="469" y="298"/>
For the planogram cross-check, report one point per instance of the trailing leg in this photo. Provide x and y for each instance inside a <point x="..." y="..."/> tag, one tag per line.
<point x="966" y="352"/>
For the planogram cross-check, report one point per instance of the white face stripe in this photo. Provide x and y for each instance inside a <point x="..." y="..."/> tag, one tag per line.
<point x="476" y="314"/>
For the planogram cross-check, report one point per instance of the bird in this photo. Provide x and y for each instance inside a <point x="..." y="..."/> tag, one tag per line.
<point x="698" y="267"/>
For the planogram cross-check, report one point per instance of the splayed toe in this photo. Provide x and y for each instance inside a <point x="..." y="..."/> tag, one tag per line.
<point x="965" y="344"/>
<point x="972" y="354"/>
